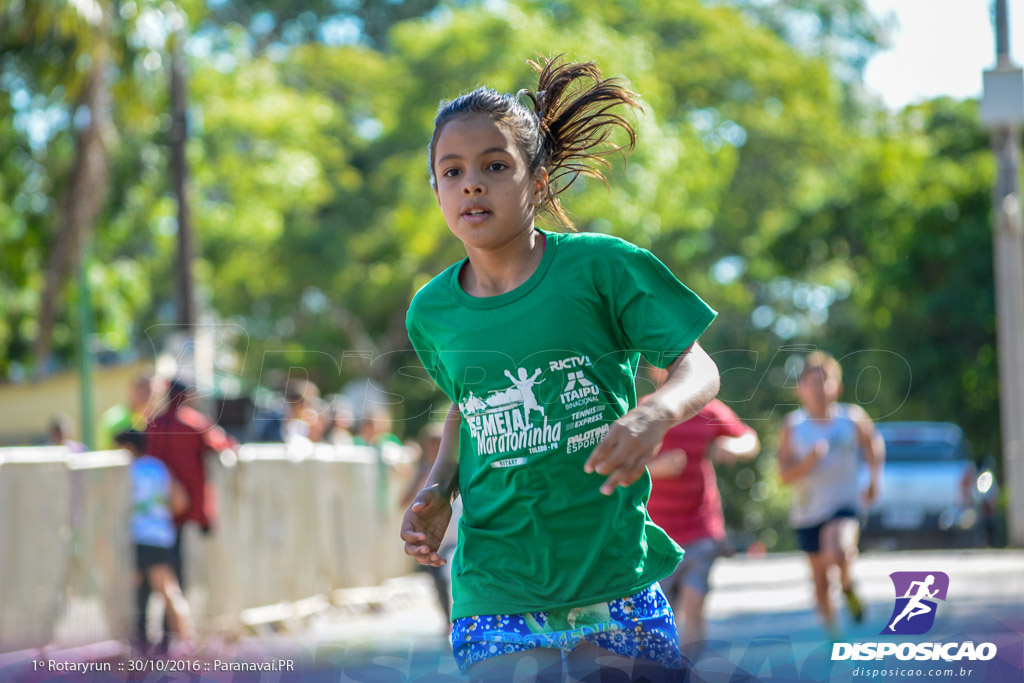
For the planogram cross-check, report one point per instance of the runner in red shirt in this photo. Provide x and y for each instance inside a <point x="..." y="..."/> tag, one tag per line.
<point x="181" y="437"/>
<point x="686" y="504"/>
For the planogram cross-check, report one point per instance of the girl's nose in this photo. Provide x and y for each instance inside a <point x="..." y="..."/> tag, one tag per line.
<point x="473" y="185"/>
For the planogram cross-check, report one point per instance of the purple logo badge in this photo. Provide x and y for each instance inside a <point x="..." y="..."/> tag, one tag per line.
<point x="916" y="593"/>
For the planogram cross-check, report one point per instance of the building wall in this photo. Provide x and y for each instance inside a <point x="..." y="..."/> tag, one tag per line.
<point x="27" y="408"/>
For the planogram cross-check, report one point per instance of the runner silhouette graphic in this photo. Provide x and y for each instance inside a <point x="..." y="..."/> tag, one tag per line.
<point x="915" y="606"/>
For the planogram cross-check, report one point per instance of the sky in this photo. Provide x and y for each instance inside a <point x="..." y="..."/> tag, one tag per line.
<point x="939" y="47"/>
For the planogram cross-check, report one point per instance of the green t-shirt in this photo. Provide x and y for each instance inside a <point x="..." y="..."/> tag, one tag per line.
<point x="114" y="421"/>
<point x="539" y="374"/>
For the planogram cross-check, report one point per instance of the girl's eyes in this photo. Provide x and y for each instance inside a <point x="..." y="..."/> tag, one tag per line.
<point x="493" y="166"/>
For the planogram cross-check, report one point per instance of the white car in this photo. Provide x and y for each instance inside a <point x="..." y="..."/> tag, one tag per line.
<point x="929" y="496"/>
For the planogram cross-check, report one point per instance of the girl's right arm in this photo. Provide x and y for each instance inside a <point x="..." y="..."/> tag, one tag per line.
<point x="791" y="469"/>
<point x="426" y="520"/>
<point x="728" y="449"/>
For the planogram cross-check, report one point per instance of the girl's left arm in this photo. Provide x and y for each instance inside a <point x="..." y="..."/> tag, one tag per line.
<point x="872" y="447"/>
<point x="633" y="439"/>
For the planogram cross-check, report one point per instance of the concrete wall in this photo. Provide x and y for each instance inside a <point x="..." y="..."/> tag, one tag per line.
<point x="293" y="525"/>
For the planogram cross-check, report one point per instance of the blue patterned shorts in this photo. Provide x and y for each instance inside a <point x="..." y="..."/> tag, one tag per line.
<point x="638" y="626"/>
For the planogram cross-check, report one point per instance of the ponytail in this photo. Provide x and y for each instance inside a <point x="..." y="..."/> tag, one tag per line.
<point x="574" y="113"/>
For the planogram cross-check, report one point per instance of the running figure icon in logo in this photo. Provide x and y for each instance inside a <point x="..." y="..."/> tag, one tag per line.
<point x="915" y="607"/>
<point x="525" y="386"/>
<point x="919" y="592"/>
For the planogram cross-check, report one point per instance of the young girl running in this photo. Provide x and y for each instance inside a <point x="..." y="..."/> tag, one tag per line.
<point x="820" y="449"/>
<point x="536" y="337"/>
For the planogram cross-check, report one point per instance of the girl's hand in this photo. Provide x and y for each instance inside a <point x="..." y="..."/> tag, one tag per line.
<point x="720" y="455"/>
<point x="818" y="452"/>
<point x="424" y="525"/>
<point x="870" y="494"/>
<point x="629" y="445"/>
<point x="668" y="464"/>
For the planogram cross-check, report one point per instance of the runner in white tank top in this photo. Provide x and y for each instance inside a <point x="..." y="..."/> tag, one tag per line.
<point x="818" y="455"/>
<point x="832" y="485"/>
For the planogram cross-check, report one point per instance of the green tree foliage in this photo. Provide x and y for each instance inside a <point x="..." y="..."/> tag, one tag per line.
<point x="915" y="235"/>
<point x="892" y="273"/>
<point x="49" y="51"/>
<point x="333" y="22"/>
<point x="843" y="31"/>
<point x="37" y="39"/>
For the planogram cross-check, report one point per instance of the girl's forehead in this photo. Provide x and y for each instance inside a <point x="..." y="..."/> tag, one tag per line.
<point x="474" y="132"/>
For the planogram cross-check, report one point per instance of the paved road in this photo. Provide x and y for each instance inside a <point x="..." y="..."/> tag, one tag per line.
<point x="762" y="626"/>
<point x="761" y="621"/>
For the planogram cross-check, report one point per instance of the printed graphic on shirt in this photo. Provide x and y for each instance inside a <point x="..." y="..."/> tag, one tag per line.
<point x="501" y="423"/>
<point x="579" y="391"/>
<point x="513" y="419"/>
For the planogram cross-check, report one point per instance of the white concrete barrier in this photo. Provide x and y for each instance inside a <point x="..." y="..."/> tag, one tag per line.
<point x="347" y="514"/>
<point x="293" y="524"/>
<point x="102" y="564"/>
<point x="35" y="544"/>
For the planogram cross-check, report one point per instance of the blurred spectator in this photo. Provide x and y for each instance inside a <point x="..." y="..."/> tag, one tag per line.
<point x="156" y="497"/>
<point x="685" y="502"/>
<point x="374" y="429"/>
<point x="60" y="433"/>
<point x="340" y="433"/>
<point x="181" y="437"/>
<point x="268" y="416"/>
<point x="306" y="418"/>
<point x="144" y="395"/>
<point x="429" y="443"/>
<point x="234" y="415"/>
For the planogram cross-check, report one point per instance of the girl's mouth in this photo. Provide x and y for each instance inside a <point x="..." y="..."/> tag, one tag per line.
<point x="476" y="215"/>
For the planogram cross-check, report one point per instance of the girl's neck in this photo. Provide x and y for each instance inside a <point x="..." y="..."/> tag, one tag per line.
<point x="825" y="414"/>
<point x="491" y="272"/>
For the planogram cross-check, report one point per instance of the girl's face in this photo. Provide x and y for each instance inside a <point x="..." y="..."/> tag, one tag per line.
<point x="818" y="390"/>
<point x="484" y="186"/>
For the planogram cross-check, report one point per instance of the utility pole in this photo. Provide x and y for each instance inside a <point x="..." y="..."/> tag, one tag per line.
<point x="88" y="432"/>
<point x="1002" y="110"/>
<point x="179" y="171"/>
<point x="195" y="357"/>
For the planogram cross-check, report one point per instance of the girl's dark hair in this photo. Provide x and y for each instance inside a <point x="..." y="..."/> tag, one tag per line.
<point x="133" y="438"/>
<point x="566" y="131"/>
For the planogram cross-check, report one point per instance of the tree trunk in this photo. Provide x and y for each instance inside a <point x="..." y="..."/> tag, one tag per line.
<point x="79" y="207"/>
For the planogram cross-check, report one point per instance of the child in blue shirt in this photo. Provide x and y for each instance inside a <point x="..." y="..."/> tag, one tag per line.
<point x="156" y="498"/>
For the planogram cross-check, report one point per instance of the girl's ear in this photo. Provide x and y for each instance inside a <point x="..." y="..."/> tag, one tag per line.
<point x="540" y="188"/>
